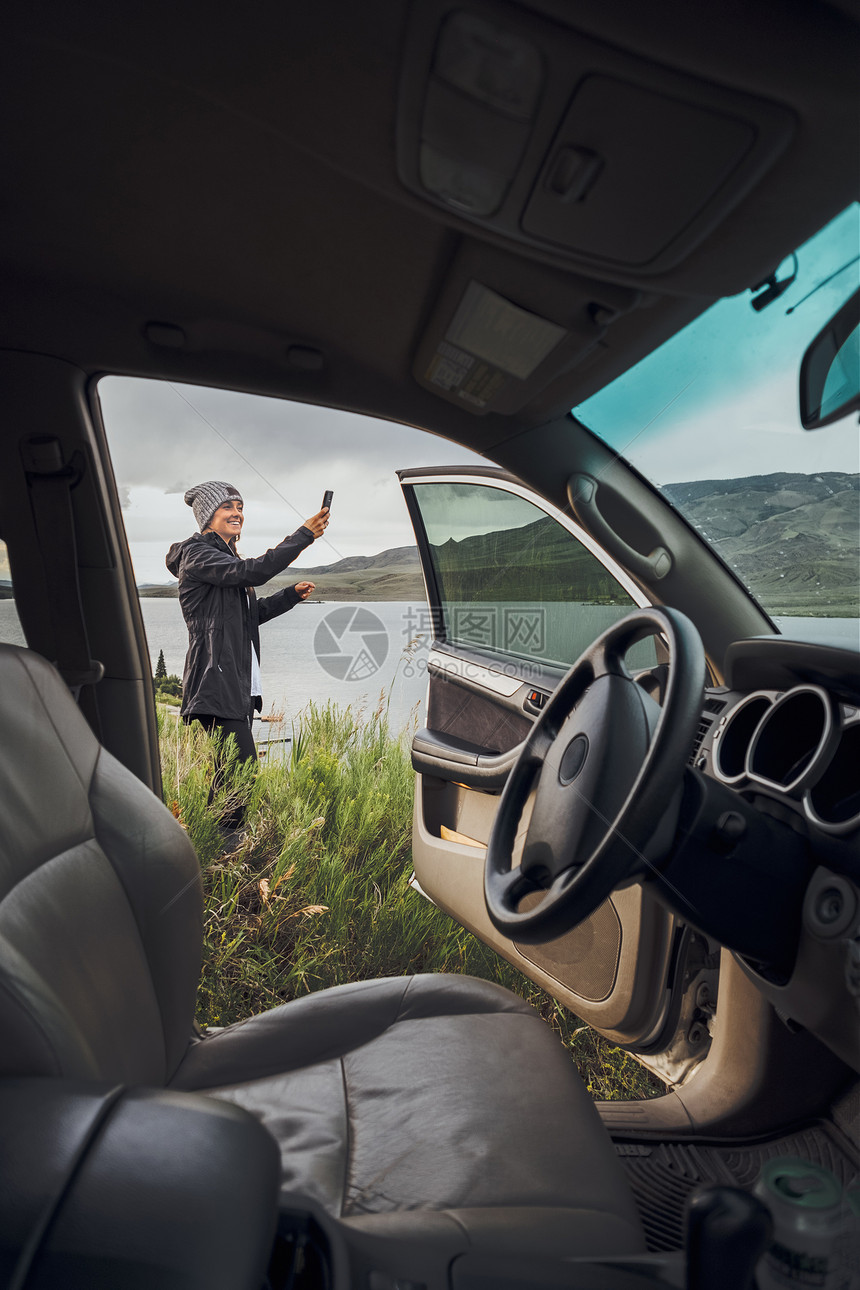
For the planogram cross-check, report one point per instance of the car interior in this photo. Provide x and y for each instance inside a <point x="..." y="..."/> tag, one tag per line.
<point x="467" y="216"/>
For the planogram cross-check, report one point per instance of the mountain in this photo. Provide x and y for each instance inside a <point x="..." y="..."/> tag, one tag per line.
<point x="390" y="575"/>
<point x="792" y="538"/>
<point x="399" y="557"/>
<point x="489" y="566"/>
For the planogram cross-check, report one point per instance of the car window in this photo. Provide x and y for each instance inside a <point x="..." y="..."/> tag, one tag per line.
<point x="282" y="456"/>
<point x="10" y="626"/>
<point x="513" y="581"/>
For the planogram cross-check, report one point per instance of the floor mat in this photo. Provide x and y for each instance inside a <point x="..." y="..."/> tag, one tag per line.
<point x="662" y="1175"/>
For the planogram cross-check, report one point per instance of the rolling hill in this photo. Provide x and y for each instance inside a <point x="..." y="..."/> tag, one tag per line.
<point x="793" y="538"/>
<point x="389" y="575"/>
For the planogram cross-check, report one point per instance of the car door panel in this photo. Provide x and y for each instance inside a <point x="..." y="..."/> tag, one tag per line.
<point x="614" y="970"/>
<point x="603" y="970"/>
<point x="469" y="696"/>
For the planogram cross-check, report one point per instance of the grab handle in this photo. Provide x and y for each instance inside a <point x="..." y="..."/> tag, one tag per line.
<point x="582" y="495"/>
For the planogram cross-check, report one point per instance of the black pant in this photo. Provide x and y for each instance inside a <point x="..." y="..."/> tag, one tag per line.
<point x="246" y="751"/>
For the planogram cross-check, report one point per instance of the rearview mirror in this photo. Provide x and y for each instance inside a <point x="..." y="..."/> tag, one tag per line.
<point x="830" y="371"/>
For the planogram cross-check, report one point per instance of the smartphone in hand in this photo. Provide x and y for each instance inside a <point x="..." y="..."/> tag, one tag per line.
<point x="327" y="496"/>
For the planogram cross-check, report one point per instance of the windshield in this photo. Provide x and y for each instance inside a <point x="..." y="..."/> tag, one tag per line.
<point x="712" y="418"/>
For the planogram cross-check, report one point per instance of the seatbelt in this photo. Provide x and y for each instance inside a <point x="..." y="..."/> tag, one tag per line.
<point x="254" y="632"/>
<point x="50" y="481"/>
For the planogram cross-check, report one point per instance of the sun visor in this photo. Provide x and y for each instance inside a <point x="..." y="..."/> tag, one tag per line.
<point x="502" y="330"/>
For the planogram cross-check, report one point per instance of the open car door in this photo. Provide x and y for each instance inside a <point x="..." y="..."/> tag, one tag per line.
<point x="516" y="592"/>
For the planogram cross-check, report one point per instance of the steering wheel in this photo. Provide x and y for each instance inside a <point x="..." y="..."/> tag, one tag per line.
<point x="606" y="761"/>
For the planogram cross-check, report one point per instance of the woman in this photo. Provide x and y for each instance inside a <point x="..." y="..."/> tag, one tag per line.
<point x="221" y="683"/>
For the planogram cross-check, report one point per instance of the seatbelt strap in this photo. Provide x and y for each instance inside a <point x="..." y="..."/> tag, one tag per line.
<point x="253" y="619"/>
<point x="50" y="481"/>
<point x="254" y="631"/>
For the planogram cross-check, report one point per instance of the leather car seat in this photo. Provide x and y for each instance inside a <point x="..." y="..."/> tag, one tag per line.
<point x="406" y="1105"/>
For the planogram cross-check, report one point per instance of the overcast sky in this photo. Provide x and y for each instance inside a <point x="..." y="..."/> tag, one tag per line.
<point x="281" y="456"/>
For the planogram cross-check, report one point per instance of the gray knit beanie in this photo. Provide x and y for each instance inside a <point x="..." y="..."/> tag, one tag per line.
<point x="204" y="499"/>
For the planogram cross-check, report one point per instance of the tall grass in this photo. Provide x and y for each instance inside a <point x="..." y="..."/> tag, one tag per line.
<point x="318" y="892"/>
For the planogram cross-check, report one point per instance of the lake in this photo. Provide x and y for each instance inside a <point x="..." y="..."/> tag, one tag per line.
<point x="292" y="670"/>
<point x="370" y="653"/>
<point x="303" y="661"/>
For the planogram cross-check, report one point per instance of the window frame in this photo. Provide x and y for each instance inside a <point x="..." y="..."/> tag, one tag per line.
<point x="491" y="477"/>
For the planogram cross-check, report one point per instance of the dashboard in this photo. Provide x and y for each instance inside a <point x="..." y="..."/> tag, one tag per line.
<point x="801" y="745"/>
<point x="784" y="733"/>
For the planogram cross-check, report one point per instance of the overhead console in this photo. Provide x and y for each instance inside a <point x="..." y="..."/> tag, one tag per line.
<point x="503" y="328"/>
<point x="617" y="165"/>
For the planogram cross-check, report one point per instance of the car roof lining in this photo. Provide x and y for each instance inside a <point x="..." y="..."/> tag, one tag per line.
<point x="257" y="210"/>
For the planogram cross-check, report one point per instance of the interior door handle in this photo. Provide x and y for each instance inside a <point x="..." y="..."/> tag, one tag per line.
<point x="582" y="494"/>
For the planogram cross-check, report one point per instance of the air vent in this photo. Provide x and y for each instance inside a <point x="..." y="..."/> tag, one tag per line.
<point x="711" y="705"/>
<point x="701" y="730"/>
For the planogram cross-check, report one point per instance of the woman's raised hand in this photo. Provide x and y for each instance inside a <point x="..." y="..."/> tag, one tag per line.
<point x="318" y="523"/>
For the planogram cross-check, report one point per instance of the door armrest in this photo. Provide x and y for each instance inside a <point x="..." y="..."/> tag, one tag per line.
<point x="448" y="757"/>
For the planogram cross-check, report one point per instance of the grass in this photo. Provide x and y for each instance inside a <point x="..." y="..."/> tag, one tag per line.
<point x="318" y="893"/>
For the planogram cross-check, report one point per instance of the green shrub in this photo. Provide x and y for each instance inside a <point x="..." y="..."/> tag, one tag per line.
<point x="168" y="689"/>
<point x="318" y="893"/>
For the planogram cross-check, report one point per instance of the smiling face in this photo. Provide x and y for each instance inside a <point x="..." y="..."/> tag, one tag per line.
<point x="228" y="520"/>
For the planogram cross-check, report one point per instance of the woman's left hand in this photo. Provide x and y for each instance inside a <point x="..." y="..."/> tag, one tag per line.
<point x="304" y="589"/>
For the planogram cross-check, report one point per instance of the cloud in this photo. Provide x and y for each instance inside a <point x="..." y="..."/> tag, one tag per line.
<point x="173" y="435"/>
<point x="753" y="432"/>
<point x="281" y="456"/>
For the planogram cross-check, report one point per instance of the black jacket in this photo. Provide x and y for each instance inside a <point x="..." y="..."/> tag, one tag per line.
<point x="222" y="614"/>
